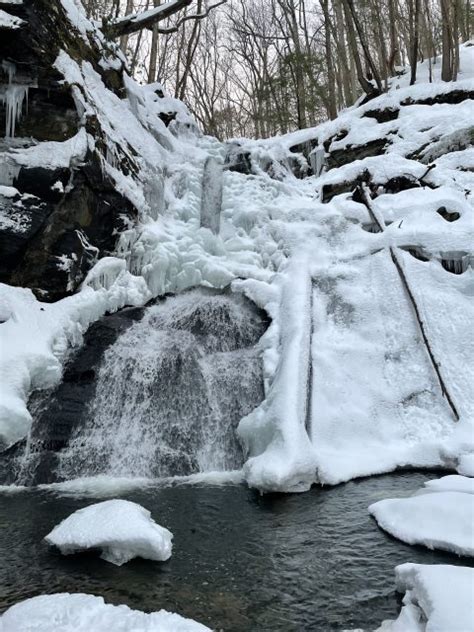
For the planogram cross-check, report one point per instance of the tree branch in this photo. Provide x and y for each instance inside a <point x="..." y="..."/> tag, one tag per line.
<point x="147" y="19"/>
<point x="136" y="21"/>
<point x="193" y="16"/>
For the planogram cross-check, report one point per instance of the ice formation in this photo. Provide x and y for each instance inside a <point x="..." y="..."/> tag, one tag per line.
<point x="439" y="516"/>
<point x="121" y="529"/>
<point x="87" y="613"/>
<point x="350" y="388"/>
<point x="12" y="96"/>
<point x="437" y="598"/>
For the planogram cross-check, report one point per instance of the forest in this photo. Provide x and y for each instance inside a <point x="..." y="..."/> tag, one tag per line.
<point x="267" y="67"/>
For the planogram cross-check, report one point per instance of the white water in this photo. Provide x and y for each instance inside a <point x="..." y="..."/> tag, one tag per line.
<point x="171" y="392"/>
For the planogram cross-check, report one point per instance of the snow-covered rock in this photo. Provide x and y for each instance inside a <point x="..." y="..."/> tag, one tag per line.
<point x="437" y="598"/>
<point x="121" y="529"/>
<point x="64" y="612"/>
<point x="439" y="516"/>
<point x="466" y="465"/>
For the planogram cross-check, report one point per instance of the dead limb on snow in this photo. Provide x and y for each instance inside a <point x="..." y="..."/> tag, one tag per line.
<point x="367" y="200"/>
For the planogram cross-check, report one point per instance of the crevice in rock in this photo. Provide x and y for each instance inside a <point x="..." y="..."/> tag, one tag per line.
<point x="416" y="252"/>
<point x="447" y="215"/>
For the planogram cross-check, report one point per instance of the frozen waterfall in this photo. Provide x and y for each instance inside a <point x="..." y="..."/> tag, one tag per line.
<point x="211" y="202"/>
<point x="171" y="391"/>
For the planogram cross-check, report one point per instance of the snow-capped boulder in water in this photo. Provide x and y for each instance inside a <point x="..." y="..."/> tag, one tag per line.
<point x="121" y="529"/>
<point x="437" y="598"/>
<point x="87" y="613"/>
<point x="439" y="516"/>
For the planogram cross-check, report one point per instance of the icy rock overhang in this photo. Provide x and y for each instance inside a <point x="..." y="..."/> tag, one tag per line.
<point x="79" y="135"/>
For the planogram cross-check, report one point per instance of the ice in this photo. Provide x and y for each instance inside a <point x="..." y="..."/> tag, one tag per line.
<point x="466" y="465"/>
<point x="12" y="95"/>
<point x="451" y="483"/>
<point x="439" y="516"/>
<point x="437" y="598"/>
<point x="276" y="434"/>
<point x="121" y="529"/>
<point x="350" y="390"/>
<point x="62" y="612"/>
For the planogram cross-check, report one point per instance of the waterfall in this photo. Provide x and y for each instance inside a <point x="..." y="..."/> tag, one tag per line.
<point x="171" y="391"/>
<point x="211" y="202"/>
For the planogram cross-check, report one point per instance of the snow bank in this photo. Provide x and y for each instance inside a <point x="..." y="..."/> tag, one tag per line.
<point x="466" y="465"/>
<point x="121" y="529"/>
<point x="275" y="435"/>
<point x="8" y="21"/>
<point x="437" y="598"/>
<point x="87" y="613"/>
<point x="440" y="516"/>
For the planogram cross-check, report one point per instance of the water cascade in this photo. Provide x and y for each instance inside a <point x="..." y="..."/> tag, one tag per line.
<point x="171" y="391"/>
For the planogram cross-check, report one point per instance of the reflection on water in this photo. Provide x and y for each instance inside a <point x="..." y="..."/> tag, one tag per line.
<point x="241" y="562"/>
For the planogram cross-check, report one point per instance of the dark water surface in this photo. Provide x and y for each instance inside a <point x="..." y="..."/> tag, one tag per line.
<point x="241" y="562"/>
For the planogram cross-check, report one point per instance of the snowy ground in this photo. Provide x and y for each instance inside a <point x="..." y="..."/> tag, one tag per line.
<point x="351" y="390"/>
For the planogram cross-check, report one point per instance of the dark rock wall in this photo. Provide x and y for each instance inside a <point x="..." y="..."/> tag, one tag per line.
<point x="42" y="244"/>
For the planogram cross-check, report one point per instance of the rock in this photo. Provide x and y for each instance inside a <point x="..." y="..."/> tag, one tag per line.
<point x="77" y="213"/>
<point x="384" y="115"/>
<point x="238" y="160"/>
<point x="350" y="153"/>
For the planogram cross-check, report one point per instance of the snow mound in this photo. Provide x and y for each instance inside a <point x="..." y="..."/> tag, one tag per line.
<point x="87" y="613"/>
<point x="437" y="598"/>
<point x="466" y="465"/>
<point x="439" y="516"/>
<point x="121" y="529"/>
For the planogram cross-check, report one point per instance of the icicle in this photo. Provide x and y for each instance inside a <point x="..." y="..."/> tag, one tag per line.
<point x="12" y="98"/>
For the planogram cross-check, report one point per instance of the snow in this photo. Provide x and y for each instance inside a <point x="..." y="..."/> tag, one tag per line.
<point x="83" y="613"/>
<point x="105" y="486"/>
<point x="437" y="598"/>
<point x="439" y="516"/>
<point x="466" y="465"/>
<point x="350" y="390"/>
<point x="121" y="529"/>
<point x="8" y="21"/>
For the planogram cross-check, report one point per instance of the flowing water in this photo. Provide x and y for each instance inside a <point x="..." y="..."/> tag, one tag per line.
<point x="241" y="562"/>
<point x="171" y="391"/>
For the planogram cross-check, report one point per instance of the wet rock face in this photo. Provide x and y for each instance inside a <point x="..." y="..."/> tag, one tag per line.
<point x="50" y="241"/>
<point x="175" y="377"/>
<point x="57" y="413"/>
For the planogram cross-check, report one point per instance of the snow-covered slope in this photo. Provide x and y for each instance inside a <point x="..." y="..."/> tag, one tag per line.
<point x="351" y="389"/>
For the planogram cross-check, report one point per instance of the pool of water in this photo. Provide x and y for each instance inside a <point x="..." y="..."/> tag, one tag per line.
<point x="241" y="562"/>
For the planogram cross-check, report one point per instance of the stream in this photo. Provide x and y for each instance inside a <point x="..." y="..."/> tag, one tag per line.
<point x="241" y="561"/>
